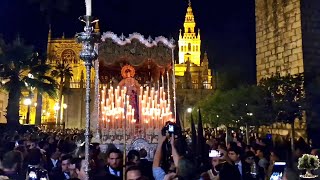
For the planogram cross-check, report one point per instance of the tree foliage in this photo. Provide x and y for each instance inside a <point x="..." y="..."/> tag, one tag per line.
<point x="236" y="107"/>
<point x="286" y="95"/>
<point x="278" y="98"/>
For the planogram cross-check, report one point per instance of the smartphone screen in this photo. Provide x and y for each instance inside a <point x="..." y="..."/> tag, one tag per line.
<point x="171" y="128"/>
<point x="214" y="153"/>
<point x="33" y="175"/>
<point x="278" y="171"/>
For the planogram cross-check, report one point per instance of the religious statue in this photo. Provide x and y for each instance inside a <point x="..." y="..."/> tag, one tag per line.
<point x="132" y="86"/>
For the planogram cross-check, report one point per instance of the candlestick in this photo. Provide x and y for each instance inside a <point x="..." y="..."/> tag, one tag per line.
<point x="88" y="7"/>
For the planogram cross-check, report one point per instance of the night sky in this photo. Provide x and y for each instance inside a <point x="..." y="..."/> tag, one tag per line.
<point x="227" y="27"/>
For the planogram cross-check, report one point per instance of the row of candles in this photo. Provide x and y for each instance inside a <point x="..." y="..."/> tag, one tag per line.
<point x="154" y="109"/>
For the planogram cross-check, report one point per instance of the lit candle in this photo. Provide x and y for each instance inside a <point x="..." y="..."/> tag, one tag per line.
<point x="161" y="91"/>
<point x="152" y="93"/>
<point x="168" y="84"/>
<point x="147" y="90"/>
<point x="162" y="81"/>
<point x="88" y="7"/>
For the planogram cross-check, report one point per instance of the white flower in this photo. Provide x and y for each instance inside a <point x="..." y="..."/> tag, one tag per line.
<point x="308" y="161"/>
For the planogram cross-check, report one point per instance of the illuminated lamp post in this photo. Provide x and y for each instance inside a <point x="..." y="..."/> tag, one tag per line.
<point x="56" y="109"/>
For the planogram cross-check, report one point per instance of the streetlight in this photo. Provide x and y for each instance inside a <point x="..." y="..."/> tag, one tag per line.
<point x="64" y="106"/>
<point x="189" y="110"/>
<point x="27" y="102"/>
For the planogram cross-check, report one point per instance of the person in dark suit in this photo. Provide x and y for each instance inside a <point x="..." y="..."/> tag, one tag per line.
<point x="62" y="172"/>
<point x="235" y="169"/>
<point x="81" y="174"/>
<point x="145" y="164"/>
<point x="114" y="162"/>
<point x="52" y="160"/>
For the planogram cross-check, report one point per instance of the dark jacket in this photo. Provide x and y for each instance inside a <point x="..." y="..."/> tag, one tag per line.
<point x="146" y="168"/>
<point x="230" y="171"/>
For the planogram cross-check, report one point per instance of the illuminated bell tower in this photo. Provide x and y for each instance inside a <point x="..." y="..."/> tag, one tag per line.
<point x="189" y="41"/>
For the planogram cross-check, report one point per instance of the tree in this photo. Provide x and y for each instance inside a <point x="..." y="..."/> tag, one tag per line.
<point x="20" y="70"/>
<point x="43" y="83"/>
<point x="215" y="108"/>
<point x="14" y="66"/>
<point x="238" y="107"/>
<point x="64" y="73"/>
<point x="287" y="97"/>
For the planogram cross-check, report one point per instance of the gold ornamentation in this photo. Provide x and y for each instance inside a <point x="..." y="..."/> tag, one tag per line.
<point x="128" y="71"/>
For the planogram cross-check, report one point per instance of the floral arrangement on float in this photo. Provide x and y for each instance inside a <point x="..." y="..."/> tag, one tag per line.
<point x="112" y="132"/>
<point x="150" y="131"/>
<point x="157" y="131"/>
<point x="120" y="132"/>
<point x="308" y="162"/>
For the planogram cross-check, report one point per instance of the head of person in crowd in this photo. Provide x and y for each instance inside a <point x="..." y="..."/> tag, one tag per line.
<point x="143" y="153"/>
<point x="247" y="148"/>
<point x="44" y="145"/>
<point x="222" y="146"/>
<point x="65" y="163"/>
<point x="274" y="156"/>
<point x="80" y="168"/>
<point x="34" y="157"/>
<point x="254" y="149"/>
<point x="12" y="162"/>
<point x="22" y="149"/>
<point x="234" y="153"/>
<point x="133" y="157"/>
<point x="249" y="157"/>
<point x="231" y="145"/>
<point x="133" y="173"/>
<point x="31" y="144"/>
<point x="217" y="157"/>
<point x="114" y="158"/>
<point x="72" y="167"/>
<point x="51" y="140"/>
<point x="260" y="153"/>
<point x="53" y="153"/>
<point x="186" y="169"/>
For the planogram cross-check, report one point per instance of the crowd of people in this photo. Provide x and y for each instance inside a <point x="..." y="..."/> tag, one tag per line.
<point x="56" y="156"/>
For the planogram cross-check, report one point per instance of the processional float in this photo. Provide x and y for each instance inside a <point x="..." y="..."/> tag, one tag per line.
<point x="137" y="94"/>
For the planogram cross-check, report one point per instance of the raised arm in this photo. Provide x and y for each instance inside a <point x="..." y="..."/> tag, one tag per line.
<point x="158" y="154"/>
<point x="174" y="152"/>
